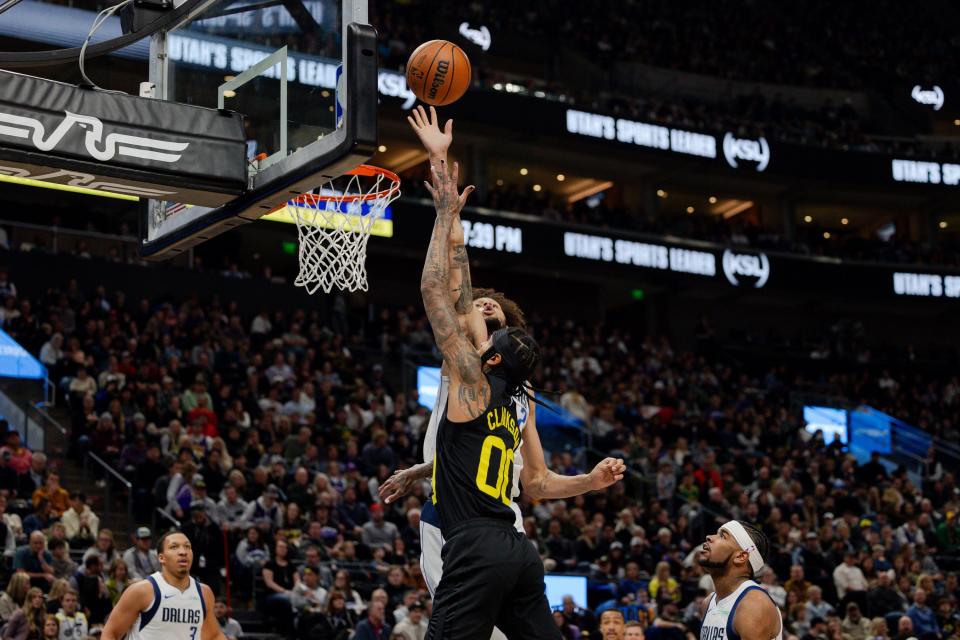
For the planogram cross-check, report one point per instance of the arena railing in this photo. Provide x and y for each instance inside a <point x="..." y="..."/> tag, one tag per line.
<point x="109" y="475"/>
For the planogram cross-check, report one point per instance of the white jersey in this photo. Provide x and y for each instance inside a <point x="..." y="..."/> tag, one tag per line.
<point x="174" y="614"/>
<point x="718" y="621"/>
<point x="430" y="440"/>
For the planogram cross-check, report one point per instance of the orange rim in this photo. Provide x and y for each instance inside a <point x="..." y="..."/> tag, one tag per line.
<point x="365" y="170"/>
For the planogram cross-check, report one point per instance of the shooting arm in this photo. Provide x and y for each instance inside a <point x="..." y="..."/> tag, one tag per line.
<point x="469" y="388"/>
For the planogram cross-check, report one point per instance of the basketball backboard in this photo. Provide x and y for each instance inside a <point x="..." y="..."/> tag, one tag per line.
<point x="304" y="75"/>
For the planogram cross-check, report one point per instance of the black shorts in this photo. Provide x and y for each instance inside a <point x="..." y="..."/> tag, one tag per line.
<point x="492" y="576"/>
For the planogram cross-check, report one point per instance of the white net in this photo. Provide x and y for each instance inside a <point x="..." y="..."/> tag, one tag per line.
<point x="334" y="228"/>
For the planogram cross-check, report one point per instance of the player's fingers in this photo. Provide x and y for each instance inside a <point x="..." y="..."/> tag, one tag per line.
<point x="455" y="172"/>
<point x="448" y="128"/>
<point x="433" y="116"/>
<point x="430" y="188"/>
<point x="418" y="115"/>
<point x="413" y="125"/>
<point x="466" y="193"/>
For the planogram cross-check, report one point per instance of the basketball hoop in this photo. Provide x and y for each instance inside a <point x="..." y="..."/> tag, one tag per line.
<point x="334" y="227"/>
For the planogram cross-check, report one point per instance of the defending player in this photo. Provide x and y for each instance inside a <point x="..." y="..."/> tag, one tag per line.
<point x="492" y="574"/>
<point x="739" y="609"/>
<point x="497" y="312"/>
<point x="169" y="604"/>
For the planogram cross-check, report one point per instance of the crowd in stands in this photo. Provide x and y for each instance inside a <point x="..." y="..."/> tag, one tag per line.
<point x="266" y="437"/>
<point x="772" y="46"/>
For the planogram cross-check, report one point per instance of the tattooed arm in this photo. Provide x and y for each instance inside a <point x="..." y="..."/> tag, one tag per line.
<point x="469" y="390"/>
<point x="437" y="143"/>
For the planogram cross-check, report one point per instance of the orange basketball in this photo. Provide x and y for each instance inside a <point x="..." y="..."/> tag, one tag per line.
<point x="438" y="72"/>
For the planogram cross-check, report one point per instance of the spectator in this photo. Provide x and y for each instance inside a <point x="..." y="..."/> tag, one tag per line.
<point x="264" y="512"/>
<point x="63" y="565"/>
<point x="817" y="631"/>
<point x="207" y="541"/>
<point x="664" y="587"/>
<point x="879" y="629"/>
<point x="281" y="579"/>
<point x="378" y="532"/>
<point x="118" y="580"/>
<point x="51" y="628"/>
<point x="20" y="457"/>
<point x="817" y="607"/>
<point x="81" y="522"/>
<point x="13" y="596"/>
<point x="35" y="561"/>
<point x="54" y="494"/>
<point x="923" y="618"/>
<point x="414" y="625"/>
<point x="231" y="628"/>
<point x="904" y="628"/>
<point x="338" y="622"/>
<point x="797" y="584"/>
<point x="848" y="578"/>
<point x="104" y="548"/>
<point x="141" y="558"/>
<point x="855" y="625"/>
<point x="72" y="622"/>
<point x="308" y="597"/>
<point x="27" y="622"/>
<point x="374" y="626"/>
<point x="884" y="598"/>
<point x="92" y="588"/>
<point x="768" y="580"/>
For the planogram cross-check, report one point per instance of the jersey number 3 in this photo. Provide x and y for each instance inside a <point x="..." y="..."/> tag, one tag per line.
<point x="499" y="491"/>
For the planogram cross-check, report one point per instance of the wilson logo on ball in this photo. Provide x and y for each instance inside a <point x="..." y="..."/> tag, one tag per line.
<point x="438" y="72"/>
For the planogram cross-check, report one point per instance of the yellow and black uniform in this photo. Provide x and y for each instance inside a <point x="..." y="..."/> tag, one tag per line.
<point x="492" y="575"/>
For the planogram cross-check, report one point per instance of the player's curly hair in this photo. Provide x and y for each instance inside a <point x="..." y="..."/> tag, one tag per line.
<point x="511" y="310"/>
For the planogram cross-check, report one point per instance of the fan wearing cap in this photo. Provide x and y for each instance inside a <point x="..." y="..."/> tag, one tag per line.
<point x="492" y="574"/>
<point x="141" y="558"/>
<point x="739" y="609"/>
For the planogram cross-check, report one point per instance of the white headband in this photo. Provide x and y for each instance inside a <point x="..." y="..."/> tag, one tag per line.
<point x="743" y="539"/>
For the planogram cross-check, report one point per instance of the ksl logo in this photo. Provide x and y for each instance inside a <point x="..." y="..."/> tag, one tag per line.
<point x="479" y="37"/>
<point x="745" y="149"/>
<point x="932" y="97"/>
<point x="736" y="265"/>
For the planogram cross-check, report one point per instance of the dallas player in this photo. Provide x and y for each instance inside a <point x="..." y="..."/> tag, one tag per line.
<point x="169" y="604"/>
<point x="739" y="608"/>
<point x="497" y="312"/>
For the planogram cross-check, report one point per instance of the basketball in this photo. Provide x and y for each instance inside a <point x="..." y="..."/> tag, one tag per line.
<point x="438" y="72"/>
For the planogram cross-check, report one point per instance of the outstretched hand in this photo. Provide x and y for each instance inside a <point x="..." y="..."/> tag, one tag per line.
<point x="607" y="472"/>
<point x="436" y="142"/>
<point x="397" y="485"/>
<point x="444" y="190"/>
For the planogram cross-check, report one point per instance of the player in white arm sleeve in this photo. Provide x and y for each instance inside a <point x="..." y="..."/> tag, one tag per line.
<point x="739" y="609"/>
<point x="169" y="604"/>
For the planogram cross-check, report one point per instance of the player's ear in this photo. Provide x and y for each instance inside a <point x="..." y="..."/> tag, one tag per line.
<point x="494" y="360"/>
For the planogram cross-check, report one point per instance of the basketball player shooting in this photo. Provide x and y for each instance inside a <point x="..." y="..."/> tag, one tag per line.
<point x="492" y="574"/>
<point x="496" y="312"/>
<point x="169" y="604"/>
<point x="739" y="608"/>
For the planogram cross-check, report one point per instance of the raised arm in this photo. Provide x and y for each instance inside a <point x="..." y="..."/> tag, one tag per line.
<point x="437" y="143"/>
<point x="539" y="482"/>
<point x="469" y="390"/>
